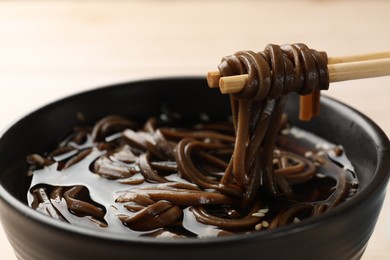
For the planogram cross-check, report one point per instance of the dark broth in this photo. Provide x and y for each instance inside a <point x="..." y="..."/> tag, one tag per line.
<point x="118" y="177"/>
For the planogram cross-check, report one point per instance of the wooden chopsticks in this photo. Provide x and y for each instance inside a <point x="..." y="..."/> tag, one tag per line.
<point x="339" y="68"/>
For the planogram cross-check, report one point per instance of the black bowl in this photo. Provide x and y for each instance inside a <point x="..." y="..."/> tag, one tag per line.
<point x="342" y="233"/>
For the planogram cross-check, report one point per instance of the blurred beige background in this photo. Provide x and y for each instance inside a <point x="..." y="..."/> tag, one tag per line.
<point x="49" y="49"/>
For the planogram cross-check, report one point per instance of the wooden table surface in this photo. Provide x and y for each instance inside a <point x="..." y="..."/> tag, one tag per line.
<point x="49" y="49"/>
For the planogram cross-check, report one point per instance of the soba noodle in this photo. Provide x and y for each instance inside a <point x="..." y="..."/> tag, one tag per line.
<point x="253" y="173"/>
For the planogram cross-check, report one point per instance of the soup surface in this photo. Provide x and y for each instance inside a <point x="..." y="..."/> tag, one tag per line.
<point x="173" y="177"/>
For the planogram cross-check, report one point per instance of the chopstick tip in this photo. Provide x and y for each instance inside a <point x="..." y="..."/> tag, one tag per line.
<point x="213" y="79"/>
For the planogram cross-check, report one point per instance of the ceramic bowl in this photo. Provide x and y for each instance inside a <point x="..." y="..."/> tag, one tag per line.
<point x="342" y="233"/>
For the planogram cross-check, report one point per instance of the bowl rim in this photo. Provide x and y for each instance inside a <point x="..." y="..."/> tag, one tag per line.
<point x="381" y="179"/>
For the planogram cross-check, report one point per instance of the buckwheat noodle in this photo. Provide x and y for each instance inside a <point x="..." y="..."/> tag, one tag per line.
<point x="232" y="177"/>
